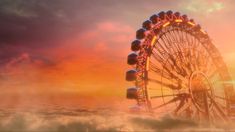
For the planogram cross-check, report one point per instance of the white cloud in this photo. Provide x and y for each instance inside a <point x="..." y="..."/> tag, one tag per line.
<point x="202" y="6"/>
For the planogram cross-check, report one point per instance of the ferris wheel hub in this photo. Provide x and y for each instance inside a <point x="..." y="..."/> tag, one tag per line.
<point x="199" y="89"/>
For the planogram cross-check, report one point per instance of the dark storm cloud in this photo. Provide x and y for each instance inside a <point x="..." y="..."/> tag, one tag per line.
<point x="29" y="26"/>
<point x="39" y="25"/>
<point x="32" y="22"/>
<point x="40" y="22"/>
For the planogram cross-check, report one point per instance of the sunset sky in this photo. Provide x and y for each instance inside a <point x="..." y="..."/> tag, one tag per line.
<point x="79" y="47"/>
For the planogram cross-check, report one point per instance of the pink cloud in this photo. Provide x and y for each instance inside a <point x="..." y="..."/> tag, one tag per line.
<point x="113" y="27"/>
<point x="105" y="36"/>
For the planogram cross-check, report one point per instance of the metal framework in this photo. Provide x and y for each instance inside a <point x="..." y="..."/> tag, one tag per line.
<point x="178" y="71"/>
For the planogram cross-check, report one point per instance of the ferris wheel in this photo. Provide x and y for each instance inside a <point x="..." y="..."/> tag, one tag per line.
<point x="176" y="70"/>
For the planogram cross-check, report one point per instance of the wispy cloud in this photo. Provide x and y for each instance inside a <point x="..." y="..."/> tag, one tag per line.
<point x="102" y="120"/>
<point x="202" y="6"/>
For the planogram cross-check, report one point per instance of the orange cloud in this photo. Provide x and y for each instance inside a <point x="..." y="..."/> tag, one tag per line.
<point x="91" y="63"/>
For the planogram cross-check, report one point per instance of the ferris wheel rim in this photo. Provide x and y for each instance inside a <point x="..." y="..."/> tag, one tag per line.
<point x="161" y="88"/>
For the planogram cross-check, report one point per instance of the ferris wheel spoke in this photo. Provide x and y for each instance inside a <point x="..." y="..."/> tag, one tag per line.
<point x="183" y="60"/>
<point x="186" y="70"/>
<point x="191" y="51"/>
<point x="208" y="65"/>
<point x="198" y="61"/>
<point x="194" y="42"/>
<point x="191" y="61"/>
<point x="158" y="57"/>
<point x="181" y="64"/>
<point x="182" y="38"/>
<point x="221" y="106"/>
<point x="217" y="116"/>
<point x="204" y="55"/>
<point x="169" y="102"/>
<point x="171" y="57"/>
<point x="175" y="43"/>
<point x="177" y="67"/>
<point x="166" y="41"/>
<point x="181" y="104"/>
<point x="214" y="82"/>
<point x="177" y="35"/>
<point x="183" y="107"/>
<point x="172" y="42"/>
<point x="172" y="63"/>
<point x="154" y="66"/>
<point x="158" y="70"/>
<point x="164" y="75"/>
<point x="212" y="74"/>
<point x="162" y="96"/>
<point x="195" y="113"/>
<point x="161" y="56"/>
<point x="188" y="61"/>
<point x="222" y="98"/>
<point x="201" y="59"/>
<point x="179" y="41"/>
<point x="171" y="86"/>
<point x="159" y="89"/>
<point x="154" y="69"/>
<point x="189" y="40"/>
<point x="188" y="66"/>
<point x="189" y="43"/>
<point x="218" y="108"/>
<point x="162" y="45"/>
<point x="175" y="75"/>
<point x="213" y="115"/>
